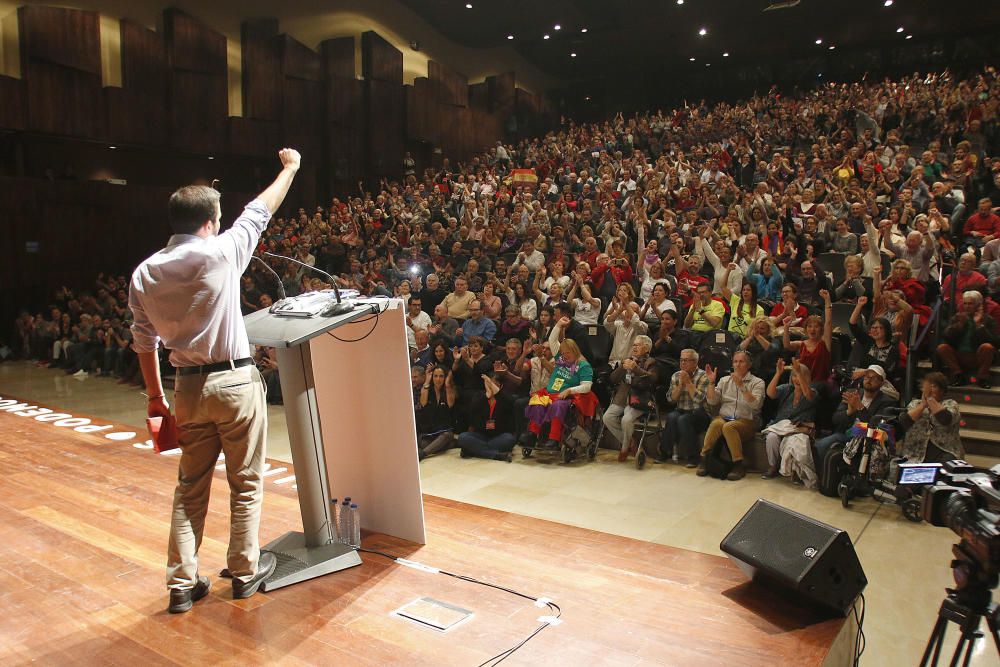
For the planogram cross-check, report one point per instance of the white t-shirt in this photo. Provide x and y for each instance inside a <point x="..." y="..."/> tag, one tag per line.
<point x="585" y="313"/>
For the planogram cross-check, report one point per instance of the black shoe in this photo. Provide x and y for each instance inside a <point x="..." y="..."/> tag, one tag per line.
<point x="182" y="601"/>
<point x="504" y="456"/>
<point x="957" y="381"/>
<point x="465" y="454"/>
<point x="985" y="384"/>
<point x="265" y="568"/>
<point x="551" y="444"/>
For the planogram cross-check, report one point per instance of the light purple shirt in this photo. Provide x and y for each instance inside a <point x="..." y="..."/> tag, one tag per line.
<point x="188" y="294"/>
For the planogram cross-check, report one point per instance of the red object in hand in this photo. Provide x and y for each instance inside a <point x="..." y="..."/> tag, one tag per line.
<point x="163" y="431"/>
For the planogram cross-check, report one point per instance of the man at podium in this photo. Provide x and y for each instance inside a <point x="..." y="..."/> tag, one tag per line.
<point x="188" y="296"/>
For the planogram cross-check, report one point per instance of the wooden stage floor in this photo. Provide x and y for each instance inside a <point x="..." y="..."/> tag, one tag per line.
<point x="83" y="533"/>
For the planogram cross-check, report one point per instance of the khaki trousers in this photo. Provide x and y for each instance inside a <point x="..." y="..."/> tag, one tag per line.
<point x="736" y="432"/>
<point x="219" y="412"/>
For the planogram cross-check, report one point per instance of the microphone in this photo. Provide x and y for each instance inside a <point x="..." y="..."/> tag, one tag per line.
<point x="331" y="310"/>
<point x="281" y="286"/>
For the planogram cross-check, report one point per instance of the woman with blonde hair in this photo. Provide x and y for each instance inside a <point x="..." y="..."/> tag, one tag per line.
<point x="763" y="347"/>
<point x="572" y="378"/>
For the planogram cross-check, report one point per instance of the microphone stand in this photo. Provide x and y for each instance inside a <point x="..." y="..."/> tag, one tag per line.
<point x="334" y="309"/>
<point x="281" y="286"/>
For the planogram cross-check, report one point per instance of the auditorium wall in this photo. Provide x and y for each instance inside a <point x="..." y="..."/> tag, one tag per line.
<point x="104" y="95"/>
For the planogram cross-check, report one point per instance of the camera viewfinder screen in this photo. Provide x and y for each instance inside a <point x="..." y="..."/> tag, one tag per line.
<point x="918" y="474"/>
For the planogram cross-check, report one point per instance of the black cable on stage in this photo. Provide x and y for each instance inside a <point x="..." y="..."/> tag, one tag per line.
<point x="860" y="642"/>
<point x="376" y="312"/>
<point x="499" y="657"/>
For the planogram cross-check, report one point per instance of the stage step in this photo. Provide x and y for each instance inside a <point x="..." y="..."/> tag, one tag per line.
<point x="986" y="443"/>
<point x="925" y="366"/>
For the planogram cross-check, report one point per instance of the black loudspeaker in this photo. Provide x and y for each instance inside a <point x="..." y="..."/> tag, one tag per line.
<point x="815" y="561"/>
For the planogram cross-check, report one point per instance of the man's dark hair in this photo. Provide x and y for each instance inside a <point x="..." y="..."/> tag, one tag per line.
<point x="190" y="207"/>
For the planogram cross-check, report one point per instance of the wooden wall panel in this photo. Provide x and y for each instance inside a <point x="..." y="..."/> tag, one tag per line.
<point x="384" y="112"/>
<point x="298" y="61"/>
<point x="479" y="95"/>
<point x="380" y="60"/>
<point x="302" y="114"/>
<point x="261" y="69"/>
<point x="451" y="87"/>
<point x="64" y="101"/>
<point x="193" y="46"/>
<point x="67" y="37"/>
<point x="345" y="102"/>
<point x="144" y="61"/>
<point x="501" y="89"/>
<point x="12" y="110"/>
<point x="250" y="136"/>
<point x="338" y="57"/>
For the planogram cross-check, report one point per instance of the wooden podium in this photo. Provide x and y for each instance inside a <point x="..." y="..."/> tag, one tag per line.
<point x="345" y="382"/>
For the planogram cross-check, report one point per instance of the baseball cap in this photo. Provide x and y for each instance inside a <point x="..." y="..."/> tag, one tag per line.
<point x="875" y="368"/>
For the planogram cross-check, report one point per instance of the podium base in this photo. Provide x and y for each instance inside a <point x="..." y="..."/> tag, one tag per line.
<point x="298" y="562"/>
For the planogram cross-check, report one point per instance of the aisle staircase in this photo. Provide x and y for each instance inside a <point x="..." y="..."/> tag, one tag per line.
<point x="980" y="409"/>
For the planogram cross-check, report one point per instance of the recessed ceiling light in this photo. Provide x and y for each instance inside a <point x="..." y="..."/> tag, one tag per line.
<point x="113" y="147"/>
<point x="726" y="54"/>
<point x="572" y="55"/>
<point x="557" y="27"/>
<point x="703" y="32"/>
<point x="899" y="29"/>
<point x="708" y="64"/>
<point x="468" y="5"/>
<point x="545" y="36"/>
<point x="909" y="37"/>
<point x="210" y="157"/>
<point x="583" y="30"/>
<point x="510" y="36"/>
<point x="888" y="3"/>
<point x="691" y="59"/>
<point x="587" y="98"/>
<point x="819" y="41"/>
<point x="832" y="47"/>
<point x="680" y="2"/>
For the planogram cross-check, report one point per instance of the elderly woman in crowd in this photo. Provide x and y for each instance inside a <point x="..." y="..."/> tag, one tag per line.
<point x="570" y="381"/>
<point x="932" y="424"/>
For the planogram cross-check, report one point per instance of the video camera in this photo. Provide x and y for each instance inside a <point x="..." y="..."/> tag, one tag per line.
<point x="967" y="500"/>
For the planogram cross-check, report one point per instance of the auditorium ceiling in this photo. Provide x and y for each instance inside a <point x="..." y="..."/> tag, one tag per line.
<point x="642" y="35"/>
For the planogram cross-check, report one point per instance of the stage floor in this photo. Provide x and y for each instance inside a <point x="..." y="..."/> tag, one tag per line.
<point x="83" y="524"/>
<point x="907" y="564"/>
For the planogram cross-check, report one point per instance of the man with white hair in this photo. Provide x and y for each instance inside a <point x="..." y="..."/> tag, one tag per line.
<point x="969" y="342"/>
<point x="688" y="388"/>
<point x="918" y="250"/>
<point x="633" y="381"/>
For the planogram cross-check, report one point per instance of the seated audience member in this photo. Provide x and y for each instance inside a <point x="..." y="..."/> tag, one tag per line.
<point x="670" y="340"/>
<point x="492" y="304"/>
<point x="267" y="363"/>
<point x="490" y="425"/>
<point x="457" y="303"/>
<point x="810" y="284"/>
<point x="705" y="313"/>
<point x="440" y="353"/>
<point x="432" y="294"/>
<point x="688" y="390"/>
<point x="436" y="416"/>
<point x="655" y="306"/>
<point x="476" y="325"/>
<point x="512" y="374"/>
<point x="932" y="423"/>
<point x="762" y="346"/>
<point x="586" y="307"/>
<point x="443" y="326"/>
<point x="892" y="306"/>
<point x="970" y="341"/>
<point x="514" y="325"/>
<point x="877" y="345"/>
<point x="968" y="278"/>
<point x="569" y="384"/>
<point x="857" y="407"/>
<point x="789" y="306"/>
<point x="421" y="352"/>
<point x="982" y="226"/>
<point x="917" y="252"/>
<point x="520" y="296"/>
<point x="416" y="318"/>
<point x="743" y="308"/>
<point x="740" y="397"/>
<point x="768" y="280"/>
<point x="788" y="435"/>
<point x="814" y="351"/>
<point x="623" y="323"/>
<point x="632" y="383"/>
<point x="853" y="287"/>
<point x="903" y="281"/>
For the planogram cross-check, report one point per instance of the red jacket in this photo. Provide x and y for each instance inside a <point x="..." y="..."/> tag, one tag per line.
<point x="984" y="224"/>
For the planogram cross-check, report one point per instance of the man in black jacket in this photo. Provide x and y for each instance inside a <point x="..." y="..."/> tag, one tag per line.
<point x="857" y="406"/>
<point x="969" y="342"/>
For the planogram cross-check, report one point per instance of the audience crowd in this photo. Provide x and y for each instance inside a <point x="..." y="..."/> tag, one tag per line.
<point x="734" y="267"/>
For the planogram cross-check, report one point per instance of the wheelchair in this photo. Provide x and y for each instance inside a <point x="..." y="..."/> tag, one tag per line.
<point x="581" y="436"/>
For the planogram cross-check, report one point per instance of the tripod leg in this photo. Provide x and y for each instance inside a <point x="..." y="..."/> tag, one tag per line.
<point x="935" y="642"/>
<point x="958" y="650"/>
<point x="991" y="623"/>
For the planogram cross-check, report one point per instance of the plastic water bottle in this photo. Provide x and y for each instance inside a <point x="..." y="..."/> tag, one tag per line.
<point x="355" y="526"/>
<point x="335" y="519"/>
<point x="628" y="377"/>
<point x="343" y="523"/>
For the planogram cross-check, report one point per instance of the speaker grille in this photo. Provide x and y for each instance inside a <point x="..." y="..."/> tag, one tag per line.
<point x="779" y="541"/>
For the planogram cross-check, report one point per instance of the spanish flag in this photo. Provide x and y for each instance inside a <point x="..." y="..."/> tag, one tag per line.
<point x="524" y="176"/>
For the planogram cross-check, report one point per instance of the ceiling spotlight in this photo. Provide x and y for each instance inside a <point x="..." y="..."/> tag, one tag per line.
<point x="587" y="98"/>
<point x="557" y="27"/>
<point x="832" y="47"/>
<point x="468" y="5"/>
<point x="726" y="54"/>
<point x="703" y="32"/>
<point x="572" y="55"/>
<point x="545" y="36"/>
<point x="583" y="30"/>
<point x="691" y="59"/>
<point x="819" y="41"/>
<point x="113" y="148"/>
<point x="510" y="36"/>
<point x="680" y="2"/>
<point x="909" y="37"/>
<point x="899" y="29"/>
<point x="708" y="64"/>
<point x="210" y="157"/>
<point x="888" y="3"/>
